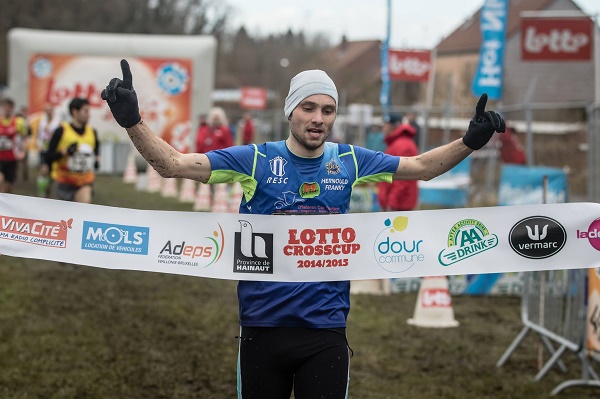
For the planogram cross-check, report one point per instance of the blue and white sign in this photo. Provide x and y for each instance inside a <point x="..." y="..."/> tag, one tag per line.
<point x="450" y="189"/>
<point x="488" y="78"/>
<point x="524" y="185"/>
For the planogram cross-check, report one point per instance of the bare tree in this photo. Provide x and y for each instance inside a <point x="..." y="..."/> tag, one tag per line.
<point x="185" y="17"/>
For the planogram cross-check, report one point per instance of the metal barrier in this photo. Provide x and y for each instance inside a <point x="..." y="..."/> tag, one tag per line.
<point x="589" y="377"/>
<point x="553" y="306"/>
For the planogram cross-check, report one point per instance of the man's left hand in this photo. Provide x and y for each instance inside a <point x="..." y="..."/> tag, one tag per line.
<point x="483" y="125"/>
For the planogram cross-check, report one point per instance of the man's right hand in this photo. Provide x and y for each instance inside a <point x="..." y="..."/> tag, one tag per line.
<point x="121" y="98"/>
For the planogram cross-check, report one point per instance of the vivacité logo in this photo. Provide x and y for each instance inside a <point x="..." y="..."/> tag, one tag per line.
<point x="119" y="238"/>
<point x="468" y="237"/>
<point x="34" y="231"/>
<point x="394" y="252"/>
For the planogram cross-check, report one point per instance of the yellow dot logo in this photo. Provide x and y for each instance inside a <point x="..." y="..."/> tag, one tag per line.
<point x="400" y="223"/>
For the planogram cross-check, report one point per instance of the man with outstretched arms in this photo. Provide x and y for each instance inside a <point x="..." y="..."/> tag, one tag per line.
<point x="293" y="334"/>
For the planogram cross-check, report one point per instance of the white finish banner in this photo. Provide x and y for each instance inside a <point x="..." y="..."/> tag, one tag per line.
<point x="355" y="246"/>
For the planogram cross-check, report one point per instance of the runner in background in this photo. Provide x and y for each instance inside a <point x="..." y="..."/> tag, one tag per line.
<point x="13" y="144"/>
<point x="74" y="152"/>
<point x="293" y="334"/>
<point x="42" y="128"/>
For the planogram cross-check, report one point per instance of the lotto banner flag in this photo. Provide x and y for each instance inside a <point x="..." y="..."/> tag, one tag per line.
<point x="356" y="246"/>
<point x="409" y="65"/>
<point x="556" y="38"/>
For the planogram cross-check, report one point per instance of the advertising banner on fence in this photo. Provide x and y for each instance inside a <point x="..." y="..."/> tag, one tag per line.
<point x="488" y="78"/>
<point x="522" y="185"/>
<point x="556" y="39"/>
<point x="409" y="65"/>
<point x="253" y="98"/>
<point x="356" y="246"/>
<point x="165" y="106"/>
<point x="593" y="329"/>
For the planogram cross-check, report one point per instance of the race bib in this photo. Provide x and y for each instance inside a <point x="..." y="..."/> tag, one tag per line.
<point x="81" y="161"/>
<point x="5" y="143"/>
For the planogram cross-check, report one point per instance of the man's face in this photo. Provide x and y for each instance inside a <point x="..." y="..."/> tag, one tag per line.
<point x="312" y="120"/>
<point x="7" y="110"/>
<point x="82" y="115"/>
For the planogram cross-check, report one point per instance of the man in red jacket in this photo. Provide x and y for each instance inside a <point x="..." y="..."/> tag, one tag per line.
<point x="400" y="195"/>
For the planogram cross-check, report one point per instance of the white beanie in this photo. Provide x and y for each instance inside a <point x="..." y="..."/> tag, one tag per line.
<point x="306" y="84"/>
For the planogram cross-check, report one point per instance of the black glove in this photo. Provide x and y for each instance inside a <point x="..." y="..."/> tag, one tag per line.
<point x="96" y="165"/>
<point x="121" y="98"/>
<point x="483" y="125"/>
<point x="72" y="149"/>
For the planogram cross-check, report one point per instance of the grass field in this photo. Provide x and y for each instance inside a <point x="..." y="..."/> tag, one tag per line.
<point x="70" y="331"/>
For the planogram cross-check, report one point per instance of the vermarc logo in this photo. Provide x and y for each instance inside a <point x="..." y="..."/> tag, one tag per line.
<point x="537" y="237"/>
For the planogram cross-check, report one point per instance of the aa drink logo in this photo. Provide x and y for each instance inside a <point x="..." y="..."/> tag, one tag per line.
<point x="592" y="234"/>
<point x="34" y="231"/>
<point x="467" y="238"/>
<point x="537" y="237"/>
<point x="185" y="253"/>
<point x="253" y="252"/>
<point x="115" y="238"/>
<point x="393" y="251"/>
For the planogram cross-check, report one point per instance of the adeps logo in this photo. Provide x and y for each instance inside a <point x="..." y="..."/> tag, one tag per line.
<point x="466" y="238"/>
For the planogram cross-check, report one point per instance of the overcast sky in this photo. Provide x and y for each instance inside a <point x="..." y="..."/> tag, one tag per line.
<point x="415" y="23"/>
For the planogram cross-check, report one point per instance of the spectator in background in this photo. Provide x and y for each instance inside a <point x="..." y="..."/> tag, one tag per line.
<point x="216" y="135"/>
<point x="42" y="128"/>
<point x="400" y="195"/>
<point x="23" y="164"/>
<point x="202" y="121"/>
<point x="511" y="149"/>
<point x="411" y="119"/>
<point x="247" y="128"/>
<point x="13" y="144"/>
<point x="74" y="151"/>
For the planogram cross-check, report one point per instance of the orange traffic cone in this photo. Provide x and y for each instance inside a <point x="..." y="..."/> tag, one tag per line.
<point x="154" y="180"/>
<point x="236" y="198"/>
<point x="169" y="188"/>
<point x="130" y="173"/>
<point x="221" y="199"/>
<point x="188" y="191"/>
<point x="203" y="202"/>
<point x="434" y="304"/>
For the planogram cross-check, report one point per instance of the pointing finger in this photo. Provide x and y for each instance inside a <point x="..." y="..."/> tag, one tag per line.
<point x="480" y="107"/>
<point x="127" y="78"/>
